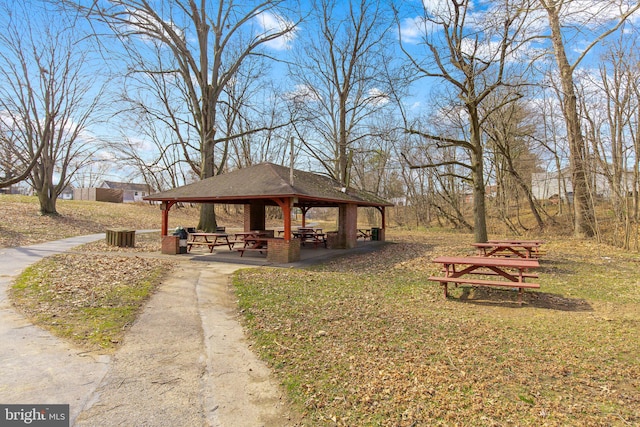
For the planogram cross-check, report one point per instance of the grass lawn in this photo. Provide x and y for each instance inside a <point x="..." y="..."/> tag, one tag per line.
<point x="88" y="299"/>
<point x="367" y="341"/>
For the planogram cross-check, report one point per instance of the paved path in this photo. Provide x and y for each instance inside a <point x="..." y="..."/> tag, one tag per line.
<point x="36" y="367"/>
<point x="184" y="362"/>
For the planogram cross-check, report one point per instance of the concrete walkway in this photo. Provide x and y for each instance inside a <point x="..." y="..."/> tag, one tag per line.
<point x="36" y="367"/>
<point x="184" y="362"/>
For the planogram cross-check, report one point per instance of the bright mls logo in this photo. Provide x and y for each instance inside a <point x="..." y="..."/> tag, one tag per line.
<point x="34" y="415"/>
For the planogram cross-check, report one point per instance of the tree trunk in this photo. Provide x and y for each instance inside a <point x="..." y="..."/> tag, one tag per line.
<point x="207" y="222"/>
<point x="48" y="198"/>
<point x="477" y="171"/>
<point x="583" y="210"/>
<point x="479" y="206"/>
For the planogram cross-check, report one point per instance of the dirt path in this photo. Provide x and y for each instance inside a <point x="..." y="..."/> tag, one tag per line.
<point x="186" y="362"/>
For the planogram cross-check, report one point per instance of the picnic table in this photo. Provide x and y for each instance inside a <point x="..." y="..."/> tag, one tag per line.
<point x="312" y="235"/>
<point x="244" y="236"/>
<point x="512" y="271"/>
<point x="519" y="248"/>
<point x="364" y="233"/>
<point x="252" y="241"/>
<point x="208" y="239"/>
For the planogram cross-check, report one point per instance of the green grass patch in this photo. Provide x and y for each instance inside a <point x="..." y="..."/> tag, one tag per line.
<point x="90" y="300"/>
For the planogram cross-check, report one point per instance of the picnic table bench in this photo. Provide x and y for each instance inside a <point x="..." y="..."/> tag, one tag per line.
<point x="518" y="248"/>
<point x="208" y="239"/>
<point x="364" y="233"/>
<point x="252" y="241"/>
<point x="513" y="271"/>
<point x="311" y="235"/>
<point x="254" y="244"/>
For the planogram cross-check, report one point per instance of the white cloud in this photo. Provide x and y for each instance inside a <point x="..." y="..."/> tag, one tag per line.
<point x="303" y="93"/>
<point x="437" y="7"/>
<point x="412" y="30"/>
<point x="378" y="97"/>
<point x="590" y="12"/>
<point x="270" y="24"/>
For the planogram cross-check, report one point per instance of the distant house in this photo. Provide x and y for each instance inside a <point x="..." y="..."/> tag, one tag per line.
<point x="399" y="201"/>
<point x="551" y="185"/>
<point x="19" y="188"/>
<point x="114" y="192"/>
<point x="130" y="192"/>
<point x="557" y="184"/>
<point x="67" y="193"/>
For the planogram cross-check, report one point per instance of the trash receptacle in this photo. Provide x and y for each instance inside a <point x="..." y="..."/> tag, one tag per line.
<point x="182" y="235"/>
<point x="375" y="233"/>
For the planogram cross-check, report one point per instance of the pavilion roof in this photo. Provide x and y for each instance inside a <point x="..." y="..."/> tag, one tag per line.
<point x="267" y="181"/>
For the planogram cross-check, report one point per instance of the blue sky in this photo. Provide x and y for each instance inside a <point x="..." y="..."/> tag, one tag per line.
<point x="413" y="27"/>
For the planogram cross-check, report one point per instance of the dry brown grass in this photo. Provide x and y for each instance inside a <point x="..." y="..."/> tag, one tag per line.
<point x="366" y="340"/>
<point x="21" y="223"/>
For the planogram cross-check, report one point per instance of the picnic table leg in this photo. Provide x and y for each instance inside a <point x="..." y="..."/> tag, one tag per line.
<point x="448" y="271"/>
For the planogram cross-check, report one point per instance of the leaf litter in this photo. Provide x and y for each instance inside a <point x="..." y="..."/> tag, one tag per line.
<point x="90" y="299"/>
<point x="366" y="340"/>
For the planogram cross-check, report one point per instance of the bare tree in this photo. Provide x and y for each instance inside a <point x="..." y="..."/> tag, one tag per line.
<point x="559" y="13"/>
<point x="340" y="72"/>
<point x="256" y="112"/>
<point x="152" y="155"/>
<point x="47" y="97"/>
<point x="609" y="130"/>
<point x="14" y="162"/>
<point x="201" y="47"/>
<point x="508" y="131"/>
<point x="472" y="54"/>
<point x="551" y="141"/>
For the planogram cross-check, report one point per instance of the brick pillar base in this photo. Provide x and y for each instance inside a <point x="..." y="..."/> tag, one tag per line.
<point x="281" y="252"/>
<point x="347" y="226"/>
<point x="170" y="245"/>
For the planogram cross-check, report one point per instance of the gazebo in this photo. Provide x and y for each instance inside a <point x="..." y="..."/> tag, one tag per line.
<point x="268" y="184"/>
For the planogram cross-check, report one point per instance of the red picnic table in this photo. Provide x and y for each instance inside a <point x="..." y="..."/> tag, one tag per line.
<point x="512" y="271"/>
<point x="208" y="239"/>
<point x="253" y="241"/>
<point x="519" y="248"/>
<point x="311" y="235"/>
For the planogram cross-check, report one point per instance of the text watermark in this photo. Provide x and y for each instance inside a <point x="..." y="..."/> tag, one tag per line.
<point x="34" y="415"/>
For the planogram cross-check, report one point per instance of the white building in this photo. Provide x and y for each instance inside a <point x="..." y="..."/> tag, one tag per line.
<point x="549" y="185"/>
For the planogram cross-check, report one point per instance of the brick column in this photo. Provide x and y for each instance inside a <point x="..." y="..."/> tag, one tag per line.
<point x="254" y="216"/>
<point x="283" y="252"/>
<point x="347" y="226"/>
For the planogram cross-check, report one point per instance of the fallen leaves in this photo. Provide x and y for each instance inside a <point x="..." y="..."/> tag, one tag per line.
<point x="90" y="299"/>
<point x="395" y="353"/>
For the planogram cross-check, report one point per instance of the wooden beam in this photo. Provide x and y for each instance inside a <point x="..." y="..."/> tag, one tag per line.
<point x="304" y="210"/>
<point x="165" y="207"/>
<point x="285" y="204"/>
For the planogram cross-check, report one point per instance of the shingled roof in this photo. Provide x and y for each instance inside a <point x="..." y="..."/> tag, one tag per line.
<point x="266" y="181"/>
